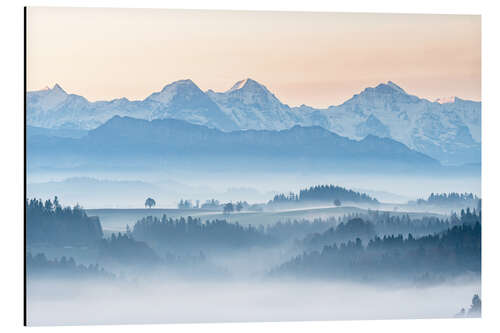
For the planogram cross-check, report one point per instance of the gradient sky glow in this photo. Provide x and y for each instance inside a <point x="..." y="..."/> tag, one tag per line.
<point x="318" y="59"/>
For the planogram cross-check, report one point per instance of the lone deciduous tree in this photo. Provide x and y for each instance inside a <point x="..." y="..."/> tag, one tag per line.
<point x="228" y="208"/>
<point x="150" y="202"/>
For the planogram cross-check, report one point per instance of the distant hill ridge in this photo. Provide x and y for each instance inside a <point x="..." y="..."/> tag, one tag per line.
<point x="130" y="141"/>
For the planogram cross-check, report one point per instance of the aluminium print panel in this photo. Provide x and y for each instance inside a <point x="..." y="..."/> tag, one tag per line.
<point x="188" y="166"/>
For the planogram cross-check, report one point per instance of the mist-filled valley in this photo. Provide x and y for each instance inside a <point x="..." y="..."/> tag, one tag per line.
<point x="323" y="252"/>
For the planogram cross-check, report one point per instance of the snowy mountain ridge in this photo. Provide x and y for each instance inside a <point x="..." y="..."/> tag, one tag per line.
<point x="446" y="129"/>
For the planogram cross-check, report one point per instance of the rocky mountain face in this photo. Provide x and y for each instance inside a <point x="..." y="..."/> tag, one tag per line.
<point x="54" y="108"/>
<point x="449" y="132"/>
<point x="252" y="106"/>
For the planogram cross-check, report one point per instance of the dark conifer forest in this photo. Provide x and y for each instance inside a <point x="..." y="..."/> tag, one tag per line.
<point x="452" y="252"/>
<point x="50" y="223"/>
<point x="39" y="266"/>
<point x="450" y="199"/>
<point x="324" y="193"/>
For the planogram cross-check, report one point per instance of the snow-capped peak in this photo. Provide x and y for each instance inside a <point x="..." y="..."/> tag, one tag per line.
<point x="57" y="88"/>
<point x="395" y="87"/>
<point x="247" y="84"/>
<point x="47" y="98"/>
<point x="379" y="94"/>
<point x="238" y="85"/>
<point x="170" y="90"/>
<point x="445" y="100"/>
<point x="179" y="83"/>
<point x="387" y="88"/>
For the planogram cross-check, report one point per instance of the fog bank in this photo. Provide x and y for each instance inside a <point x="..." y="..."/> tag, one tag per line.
<point x="71" y="303"/>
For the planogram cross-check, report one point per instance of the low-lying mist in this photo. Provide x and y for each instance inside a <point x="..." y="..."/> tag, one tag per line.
<point x="58" y="302"/>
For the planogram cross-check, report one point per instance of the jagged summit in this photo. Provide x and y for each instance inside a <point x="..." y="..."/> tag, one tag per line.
<point x="47" y="98"/>
<point x="58" y="88"/>
<point x="238" y="85"/>
<point x="246" y="84"/>
<point x="252" y="106"/>
<point x="396" y="87"/>
<point x="178" y="83"/>
<point x="169" y="91"/>
<point x="183" y="99"/>
<point x="381" y="93"/>
<point x="389" y="87"/>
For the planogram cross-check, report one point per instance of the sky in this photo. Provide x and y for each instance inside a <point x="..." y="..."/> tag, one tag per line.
<point x="318" y="59"/>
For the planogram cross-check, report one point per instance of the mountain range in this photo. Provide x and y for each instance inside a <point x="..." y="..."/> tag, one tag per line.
<point x="448" y="130"/>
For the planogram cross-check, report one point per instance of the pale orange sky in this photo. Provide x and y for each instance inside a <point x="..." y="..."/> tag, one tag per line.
<point x="318" y="59"/>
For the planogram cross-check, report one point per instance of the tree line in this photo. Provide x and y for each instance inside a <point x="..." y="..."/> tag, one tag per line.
<point x="452" y="252"/>
<point x="451" y="199"/>
<point x="375" y="223"/>
<point x="324" y="193"/>
<point x="39" y="266"/>
<point x="50" y="223"/>
<point x="191" y="234"/>
<point x="125" y="250"/>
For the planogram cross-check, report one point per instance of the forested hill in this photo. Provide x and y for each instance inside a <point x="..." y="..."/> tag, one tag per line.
<point x="451" y="199"/>
<point x="40" y="266"/>
<point x="324" y="193"/>
<point x="453" y="252"/>
<point x="191" y="235"/>
<point x="50" y="223"/>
